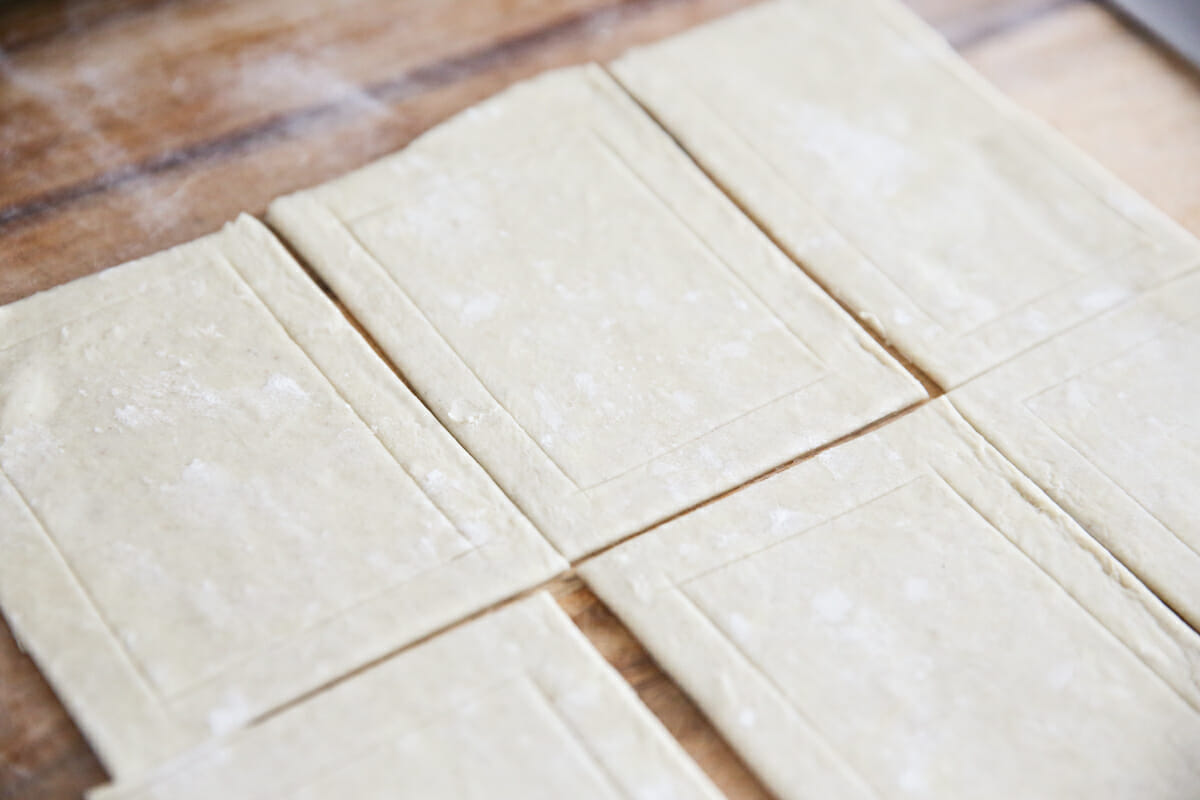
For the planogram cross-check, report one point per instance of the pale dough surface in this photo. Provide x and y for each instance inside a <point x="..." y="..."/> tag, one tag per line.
<point x="907" y="615"/>
<point x="1106" y="419"/>
<point x="962" y="228"/>
<point x="516" y="704"/>
<point x="587" y="313"/>
<point x="214" y="497"/>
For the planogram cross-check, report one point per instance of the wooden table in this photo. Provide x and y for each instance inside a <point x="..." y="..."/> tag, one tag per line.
<point x="127" y="126"/>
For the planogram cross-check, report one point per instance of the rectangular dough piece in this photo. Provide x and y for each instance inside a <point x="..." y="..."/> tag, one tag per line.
<point x="516" y="704"/>
<point x="906" y="615"/>
<point x="215" y="497"/>
<point x="594" y="321"/>
<point x="958" y="225"/>
<point x="1106" y="419"/>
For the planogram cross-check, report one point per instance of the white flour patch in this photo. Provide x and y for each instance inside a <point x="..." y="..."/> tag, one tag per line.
<point x="133" y="416"/>
<point x="228" y="716"/>
<point x="832" y="605"/>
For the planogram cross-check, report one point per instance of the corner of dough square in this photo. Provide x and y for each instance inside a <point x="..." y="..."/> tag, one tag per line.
<point x="906" y="615"/>
<point x="214" y="497"/>
<point x="547" y="718"/>
<point x="602" y="329"/>
<point x="1106" y="419"/>
<point x="962" y="228"/>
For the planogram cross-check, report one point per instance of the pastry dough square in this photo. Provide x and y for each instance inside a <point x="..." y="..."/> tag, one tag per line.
<point x="1106" y="419"/>
<point x="214" y="497"/>
<point x="907" y="615"/>
<point x="597" y="324"/>
<point x="516" y="704"/>
<point x="959" y="226"/>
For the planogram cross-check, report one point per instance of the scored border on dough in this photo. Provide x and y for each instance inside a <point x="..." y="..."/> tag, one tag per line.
<point x="528" y="654"/>
<point x="1019" y="408"/>
<point x="644" y="582"/>
<point x="1089" y="242"/>
<point x="54" y="617"/>
<point x="579" y="506"/>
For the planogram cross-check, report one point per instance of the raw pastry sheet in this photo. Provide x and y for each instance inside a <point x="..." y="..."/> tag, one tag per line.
<point x="515" y="704"/>
<point x="962" y="228"/>
<point x="1106" y="419"/>
<point x="214" y="497"/>
<point x="907" y="615"/>
<point x="586" y="312"/>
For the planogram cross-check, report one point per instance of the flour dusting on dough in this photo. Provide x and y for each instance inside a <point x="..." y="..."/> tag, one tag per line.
<point x="230" y="715"/>
<point x="832" y="605"/>
<point x="876" y="164"/>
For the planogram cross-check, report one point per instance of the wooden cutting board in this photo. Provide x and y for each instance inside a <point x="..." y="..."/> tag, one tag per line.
<point x="127" y="126"/>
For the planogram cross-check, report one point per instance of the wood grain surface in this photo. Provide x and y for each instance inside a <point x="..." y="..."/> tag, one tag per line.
<point x="127" y="126"/>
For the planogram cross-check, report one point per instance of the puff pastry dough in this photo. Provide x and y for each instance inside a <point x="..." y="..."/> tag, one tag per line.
<point x="516" y="705"/>
<point x="964" y="229"/>
<point x="591" y="318"/>
<point x="1106" y="419"/>
<point x="906" y="615"/>
<point x="214" y="497"/>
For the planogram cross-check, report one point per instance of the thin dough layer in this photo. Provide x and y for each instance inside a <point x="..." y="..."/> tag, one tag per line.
<point x="214" y="497"/>
<point x="907" y="615"/>
<point x="1106" y="419"/>
<point x="601" y="328"/>
<point x="963" y="229"/>
<point x="514" y="705"/>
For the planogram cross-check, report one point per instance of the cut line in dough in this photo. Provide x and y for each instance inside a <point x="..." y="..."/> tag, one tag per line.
<point x="214" y="497"/>
<point x="1105" y="418"/>
<point x="962" y="228"/>
<point x="596" y="323"/>
<point x="907" y="615"/>
<point x="516" y="704"/>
